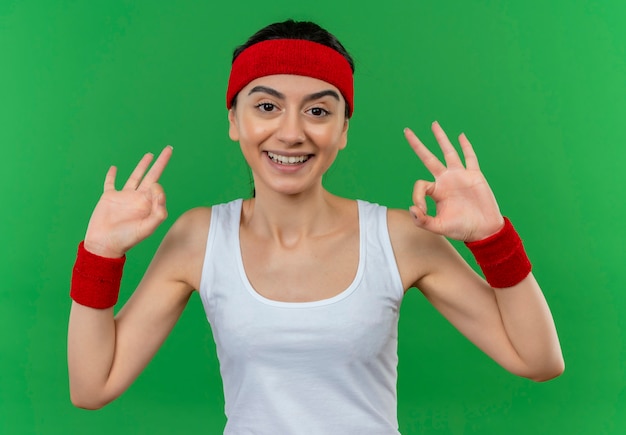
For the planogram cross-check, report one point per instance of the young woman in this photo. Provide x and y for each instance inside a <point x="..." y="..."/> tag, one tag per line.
<point x="303" y="288"/>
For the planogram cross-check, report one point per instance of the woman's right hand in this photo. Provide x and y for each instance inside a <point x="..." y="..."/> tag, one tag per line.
<point x="123" y="218"/>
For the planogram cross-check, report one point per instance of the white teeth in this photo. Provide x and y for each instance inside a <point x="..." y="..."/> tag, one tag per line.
<point x="284" y="160"/>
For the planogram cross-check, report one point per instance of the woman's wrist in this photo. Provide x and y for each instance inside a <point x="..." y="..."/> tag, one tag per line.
<point x="501" y="257"/>
<point x="490" y="230"/>
<point x="96" y="279"/>
<point x="100" y="249"/>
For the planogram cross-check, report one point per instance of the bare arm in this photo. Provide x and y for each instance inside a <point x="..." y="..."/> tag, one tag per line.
<point x="514" y="325"/>
<point x="105" y="354"/>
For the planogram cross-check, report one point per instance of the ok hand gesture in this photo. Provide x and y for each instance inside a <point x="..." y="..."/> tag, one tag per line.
<point x="123" y="218"/>
<point x="466" y="208"/>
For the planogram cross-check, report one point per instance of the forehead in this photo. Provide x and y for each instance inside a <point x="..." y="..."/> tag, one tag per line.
<point x="289" y="85"/>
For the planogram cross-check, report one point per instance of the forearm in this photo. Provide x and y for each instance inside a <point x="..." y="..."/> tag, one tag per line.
<point x="524" y="312"/>
<point x="530" y="328"/>
<point x="105" y="353"/>
<point x="91" y="349"/>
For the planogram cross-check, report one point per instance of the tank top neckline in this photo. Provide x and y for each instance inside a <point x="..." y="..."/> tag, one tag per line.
<point x="310" y="304"/>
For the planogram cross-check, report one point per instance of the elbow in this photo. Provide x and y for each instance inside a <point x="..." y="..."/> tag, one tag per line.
<point x="86" y="400"/>
<point x="86" y="403"/>
<point x="549" y="371"/>
<point x="549" y="375"/>
<point x="539" y="369"/>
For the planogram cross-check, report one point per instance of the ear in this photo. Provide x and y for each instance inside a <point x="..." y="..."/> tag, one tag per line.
<point x="344" y="134"/>
<point x="233" y="129"/>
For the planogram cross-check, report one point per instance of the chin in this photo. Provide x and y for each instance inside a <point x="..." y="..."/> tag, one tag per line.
<point x="289" y="189"/>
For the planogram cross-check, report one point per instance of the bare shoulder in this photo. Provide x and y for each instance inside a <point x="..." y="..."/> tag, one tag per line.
<point x="182" y="249"/>
<point x="418" y="252"/>
<point x="407" y="238"/>
<point x="191" y="222"/>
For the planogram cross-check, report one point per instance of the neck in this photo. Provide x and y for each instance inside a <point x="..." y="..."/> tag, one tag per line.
<point x="289" y="218"/>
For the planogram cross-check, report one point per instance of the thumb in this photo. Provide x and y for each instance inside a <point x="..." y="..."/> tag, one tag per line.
<point x="421" y="190"/>
<point x="419" y="216"/>
<point x="159" y="211"/>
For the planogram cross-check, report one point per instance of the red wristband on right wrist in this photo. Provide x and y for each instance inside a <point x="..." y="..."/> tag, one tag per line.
<point x="96" y="280"/>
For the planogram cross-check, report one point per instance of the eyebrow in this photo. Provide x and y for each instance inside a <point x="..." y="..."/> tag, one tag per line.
<point x="281" y="96"/>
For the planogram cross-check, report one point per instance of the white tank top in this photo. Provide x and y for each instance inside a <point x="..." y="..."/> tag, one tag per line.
<point x="322" y="367"/>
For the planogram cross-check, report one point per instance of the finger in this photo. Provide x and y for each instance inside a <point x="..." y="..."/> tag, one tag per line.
<point x="137" y="174"/>
<point x="450" y="155"/>
<point x="429" y="160"/>
<point x="421" y="189"/>
<point x="158" y="167"/>
<point x="159" y="211"/>
<point x="420" y="219"/>
<point x="471" y="161"/>
<point x="109" y="179"/>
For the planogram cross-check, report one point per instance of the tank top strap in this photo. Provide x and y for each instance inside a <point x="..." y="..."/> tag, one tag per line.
<point x="379" y="249"/>
<point x="220" y="251"/>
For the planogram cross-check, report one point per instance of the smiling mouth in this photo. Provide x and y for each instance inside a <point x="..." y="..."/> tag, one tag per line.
<point x="287" y="160"/>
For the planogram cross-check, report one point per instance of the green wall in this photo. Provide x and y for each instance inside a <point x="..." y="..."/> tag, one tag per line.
<point x="539" y="88"/>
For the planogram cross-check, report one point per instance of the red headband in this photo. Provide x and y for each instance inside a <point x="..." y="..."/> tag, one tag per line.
<point x="291" y="56"/>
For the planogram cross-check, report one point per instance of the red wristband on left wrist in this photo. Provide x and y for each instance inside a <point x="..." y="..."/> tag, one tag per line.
<point x="502" y="257"/>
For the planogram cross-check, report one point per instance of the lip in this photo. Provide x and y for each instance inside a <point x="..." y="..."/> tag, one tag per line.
<point x="288" y="168"/>
<point x="288" y="153"/>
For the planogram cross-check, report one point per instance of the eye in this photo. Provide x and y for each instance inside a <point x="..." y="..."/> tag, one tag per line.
<point x="318" y="112"/>
<point x="266" y="107"/>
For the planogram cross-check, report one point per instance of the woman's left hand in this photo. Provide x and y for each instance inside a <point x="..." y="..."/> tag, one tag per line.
<point x="466" y="208"/>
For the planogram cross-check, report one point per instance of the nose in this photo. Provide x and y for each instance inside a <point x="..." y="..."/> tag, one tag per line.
<point x="291" y="128"/>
